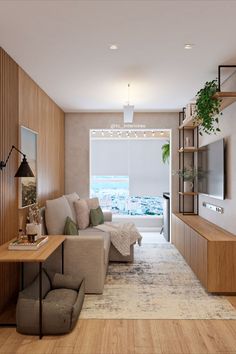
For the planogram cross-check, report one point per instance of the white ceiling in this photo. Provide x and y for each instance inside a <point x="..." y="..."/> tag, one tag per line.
<point x="64" y="47"/>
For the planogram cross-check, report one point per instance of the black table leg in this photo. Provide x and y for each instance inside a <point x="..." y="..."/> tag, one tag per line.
<point x="62" y="257"/>
<point x="22" y="275"/>
<point x="40" y="301"/>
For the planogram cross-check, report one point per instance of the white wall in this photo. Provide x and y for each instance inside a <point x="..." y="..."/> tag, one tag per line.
<point x="140" y="159"/>
<point x="227" y="220"/>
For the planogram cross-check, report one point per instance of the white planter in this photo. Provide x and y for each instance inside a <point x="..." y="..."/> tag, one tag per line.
<point x="188" y="186"/>
<point x="32" y="229"/>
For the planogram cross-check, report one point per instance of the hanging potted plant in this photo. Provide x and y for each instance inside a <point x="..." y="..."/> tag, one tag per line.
<point x="165" y="152"/>
<point x="207" y="111"/>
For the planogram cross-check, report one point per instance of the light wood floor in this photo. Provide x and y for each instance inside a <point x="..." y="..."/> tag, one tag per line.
<point x="129" y="337"/>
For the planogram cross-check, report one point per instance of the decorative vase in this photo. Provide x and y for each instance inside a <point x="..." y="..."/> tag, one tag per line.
<point x="34" y="229"/>
<point x="188" y="186"/>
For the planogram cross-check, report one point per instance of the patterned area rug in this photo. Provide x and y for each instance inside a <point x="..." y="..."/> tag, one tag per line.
<point x="158" y="285"/>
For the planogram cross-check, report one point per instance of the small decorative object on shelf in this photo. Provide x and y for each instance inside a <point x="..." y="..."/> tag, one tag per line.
<point x="23" y="244"/>
<point x="20" y="234"/>
<point x="188" y="174"/>
<point x="34" y="226"/>
<point x="187" y="141"/>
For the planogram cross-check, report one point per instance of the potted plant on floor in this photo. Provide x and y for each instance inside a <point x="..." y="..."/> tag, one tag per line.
<point x="207" y="111"/>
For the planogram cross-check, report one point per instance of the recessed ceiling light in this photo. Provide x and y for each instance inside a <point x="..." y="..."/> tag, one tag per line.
<point x="188" y="46"/>
<point x="113" y="47"/>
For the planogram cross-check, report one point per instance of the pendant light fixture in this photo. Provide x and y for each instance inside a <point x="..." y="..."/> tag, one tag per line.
<point x="128" y="110"/>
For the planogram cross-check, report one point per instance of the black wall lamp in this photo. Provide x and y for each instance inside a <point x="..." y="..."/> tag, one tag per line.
<point x="24" y="170"/>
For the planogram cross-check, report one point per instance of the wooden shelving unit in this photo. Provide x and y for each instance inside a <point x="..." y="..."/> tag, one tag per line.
<point x="188" y="149"/>
<point x="188" y="193"/>
<point x="187" y="128"/>
<point x="227" y="98"/>
<point x="190" y="124"/>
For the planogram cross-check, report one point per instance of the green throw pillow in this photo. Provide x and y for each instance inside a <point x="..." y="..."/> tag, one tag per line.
<point x="96" y="216"/>
<point x="70" y="227"/>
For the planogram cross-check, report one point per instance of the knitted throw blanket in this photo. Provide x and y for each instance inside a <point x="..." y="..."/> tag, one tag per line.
<point x="122" y="235"/>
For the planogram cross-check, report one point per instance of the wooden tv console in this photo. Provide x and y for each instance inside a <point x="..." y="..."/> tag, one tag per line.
<point x="209" y="250"/>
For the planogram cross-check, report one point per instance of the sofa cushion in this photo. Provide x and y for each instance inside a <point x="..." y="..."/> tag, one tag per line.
<point x="32" y="291"/>
<point x="82" y="213"/>
<point x="56" y="213"/>
<point x="90" y="231"/>
<point x="107" y="244"/>
<point x="70" y="227"/>
<point x="65" y="281"/>
<point x="93" y="203"/>
<point x="65" y="297"/>
<point x="71" y="198"/>
<point x="96" y="216"/>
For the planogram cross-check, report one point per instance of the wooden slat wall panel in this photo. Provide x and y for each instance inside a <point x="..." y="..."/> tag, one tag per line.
<point x="39" y="113"/>
<point x="9" y="274"/>
<point x="22" y="102"/>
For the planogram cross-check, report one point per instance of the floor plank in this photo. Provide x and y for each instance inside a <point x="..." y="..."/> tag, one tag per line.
<point x="129" y="337"/>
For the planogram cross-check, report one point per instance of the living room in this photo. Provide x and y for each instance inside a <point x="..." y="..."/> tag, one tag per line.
<point x="76" y="78"/>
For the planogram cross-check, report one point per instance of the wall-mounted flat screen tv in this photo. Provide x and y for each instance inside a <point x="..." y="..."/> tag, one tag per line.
<point x="211" y="167"/>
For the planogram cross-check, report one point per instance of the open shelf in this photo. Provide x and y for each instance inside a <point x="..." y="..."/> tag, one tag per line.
<point x="188" y="149"/>
<point x="188" y="193"/>
<point x="227" y="98"/>
<point x="189" y="124"/>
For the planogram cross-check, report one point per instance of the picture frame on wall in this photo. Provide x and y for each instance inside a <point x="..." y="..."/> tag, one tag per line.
<point x="28" y="185"/>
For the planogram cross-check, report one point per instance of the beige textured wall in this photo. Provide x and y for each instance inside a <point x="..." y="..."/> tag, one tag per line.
<point x="228" y="132"/>
<point x="77" y="129"/>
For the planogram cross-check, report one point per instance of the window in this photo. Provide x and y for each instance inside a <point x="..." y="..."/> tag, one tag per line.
<point x="113" y="194"/>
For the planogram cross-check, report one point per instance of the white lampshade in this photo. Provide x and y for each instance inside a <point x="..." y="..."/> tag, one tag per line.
<point x="128" y="113"/>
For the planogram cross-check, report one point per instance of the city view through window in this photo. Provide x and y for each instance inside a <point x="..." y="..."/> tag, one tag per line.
<point x="113" y="194"/>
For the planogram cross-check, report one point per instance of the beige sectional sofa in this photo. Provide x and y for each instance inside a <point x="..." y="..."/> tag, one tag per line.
<point x="86" y="254"/>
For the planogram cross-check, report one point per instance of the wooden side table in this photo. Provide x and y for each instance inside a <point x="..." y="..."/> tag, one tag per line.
<point x="37" y="256"/>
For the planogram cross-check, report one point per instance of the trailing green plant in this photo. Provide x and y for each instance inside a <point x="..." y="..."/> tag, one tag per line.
<point x="166" y="152"/>
<point x="208" y="108"/>
<point x="187" y="173"/>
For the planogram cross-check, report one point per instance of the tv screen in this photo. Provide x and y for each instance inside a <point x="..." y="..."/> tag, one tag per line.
<point x="211" y="170"/>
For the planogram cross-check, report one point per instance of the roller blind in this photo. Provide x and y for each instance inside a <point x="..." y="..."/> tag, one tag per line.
<point x="138" y="159"/>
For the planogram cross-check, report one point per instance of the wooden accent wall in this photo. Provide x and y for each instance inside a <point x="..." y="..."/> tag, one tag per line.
<point x="23" y="102"/>
<point x="39" y="113"/>
<point x="9" y="274"/>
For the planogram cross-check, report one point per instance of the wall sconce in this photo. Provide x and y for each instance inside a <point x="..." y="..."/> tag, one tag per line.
<point x="24" y="169"/>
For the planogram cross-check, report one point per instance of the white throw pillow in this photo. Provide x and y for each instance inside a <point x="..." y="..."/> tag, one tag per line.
<point x="82" y="213"/>
<point x="56" y="212"/>
<point x="71" y="198"/>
